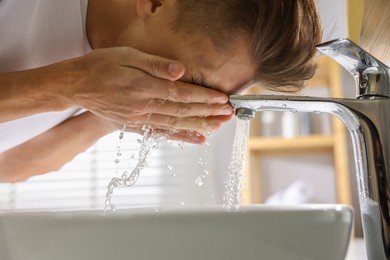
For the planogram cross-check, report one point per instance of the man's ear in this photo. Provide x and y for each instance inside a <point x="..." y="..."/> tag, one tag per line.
<point x="146" y="8"/>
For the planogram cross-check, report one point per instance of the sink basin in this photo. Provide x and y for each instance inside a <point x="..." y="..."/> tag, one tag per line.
<point x="201" y="233"/>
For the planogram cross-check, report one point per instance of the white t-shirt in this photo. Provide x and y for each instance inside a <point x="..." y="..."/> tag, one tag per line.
<point x="35" y="33"/>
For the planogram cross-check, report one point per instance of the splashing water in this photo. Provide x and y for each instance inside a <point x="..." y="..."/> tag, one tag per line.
<point x="233" y="183"/>
<point x="171" y="170"/>
<point x="149" y="143"/>
<point x="119" y="152"/>
<point x="199" y="181"/>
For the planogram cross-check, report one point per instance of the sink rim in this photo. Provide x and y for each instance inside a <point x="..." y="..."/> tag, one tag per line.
<point x="191" y="209"/>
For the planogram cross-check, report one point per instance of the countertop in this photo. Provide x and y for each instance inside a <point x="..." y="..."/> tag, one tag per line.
<point x="356" y="250"/>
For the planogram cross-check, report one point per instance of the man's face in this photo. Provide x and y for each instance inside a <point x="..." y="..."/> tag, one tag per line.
<point x="205" y="64"/>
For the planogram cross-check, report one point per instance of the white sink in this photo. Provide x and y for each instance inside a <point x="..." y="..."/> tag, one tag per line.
<point x="253" y="232"/>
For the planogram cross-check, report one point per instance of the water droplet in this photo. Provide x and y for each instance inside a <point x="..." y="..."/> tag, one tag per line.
<point x="122" y="133"/>
<point x="207" y="133"/>
<point x="200" y="161"/>
<point x="173" y="174"/>
<point x="206" y="172"/>
<point x="116" y="161"/>
<point x="170" y="167"/>
<point x="182" y="203"/>
<point x="119" y="154"/>
<point x="182" y="145"/>
<point x="284" y="105"/>
<point x="199" y="181"/>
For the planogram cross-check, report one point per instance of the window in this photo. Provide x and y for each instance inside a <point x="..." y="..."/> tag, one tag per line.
<point x="174" y="177"/>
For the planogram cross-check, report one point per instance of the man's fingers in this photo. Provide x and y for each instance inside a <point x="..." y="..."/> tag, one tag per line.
<point x="132" y="84"/>
<point x="163" y="68"/>
<point x="156" y="66"/>
<point x="190" y="93"/>
<point x="187" y="110"/>
<point x="183" y="136"/>
<point x="208" y="124"/>
<point x="164" y="84"/>
<point x="180" y="92"/>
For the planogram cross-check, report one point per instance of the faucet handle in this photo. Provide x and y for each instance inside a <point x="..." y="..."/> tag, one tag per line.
<point x="372" y="77"/>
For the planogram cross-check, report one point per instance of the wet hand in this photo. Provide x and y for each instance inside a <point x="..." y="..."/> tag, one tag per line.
<point x="195" y="137"/>
<point x="130" y="87"/>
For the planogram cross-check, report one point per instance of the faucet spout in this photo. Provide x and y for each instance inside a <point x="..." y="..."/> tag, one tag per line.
<point x="245" y="113"/>
<point x="366" y="121"/>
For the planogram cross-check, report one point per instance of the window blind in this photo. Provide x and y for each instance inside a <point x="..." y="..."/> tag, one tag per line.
<point x="173" y="177"/>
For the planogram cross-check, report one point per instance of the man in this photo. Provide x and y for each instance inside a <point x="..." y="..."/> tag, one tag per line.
<point x="210" y="47"/>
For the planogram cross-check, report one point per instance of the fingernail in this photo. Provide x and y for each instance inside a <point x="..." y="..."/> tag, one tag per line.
<point x="173" y="69"/>
<point x="222" y="100"/>
<point x="227" y="110"/>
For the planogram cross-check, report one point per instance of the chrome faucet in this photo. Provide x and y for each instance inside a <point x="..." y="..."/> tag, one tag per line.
<point x="367" y="119"/>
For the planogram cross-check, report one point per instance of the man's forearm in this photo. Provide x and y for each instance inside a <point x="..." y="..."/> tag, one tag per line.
<point x="24" y="93"/>
<point x="52" y="149"/>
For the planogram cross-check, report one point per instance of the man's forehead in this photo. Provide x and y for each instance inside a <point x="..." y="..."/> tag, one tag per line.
<point x="229" y="75"/>
<point x="216" y="68"/>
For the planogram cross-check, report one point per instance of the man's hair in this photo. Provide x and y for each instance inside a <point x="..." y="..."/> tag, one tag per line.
<point x="283" y="35"/>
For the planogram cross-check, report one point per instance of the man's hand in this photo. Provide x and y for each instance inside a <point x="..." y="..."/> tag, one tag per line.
<point x="131" y="88"/>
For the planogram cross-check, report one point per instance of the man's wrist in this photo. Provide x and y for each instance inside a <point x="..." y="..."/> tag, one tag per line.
<point x="52" y="88"/>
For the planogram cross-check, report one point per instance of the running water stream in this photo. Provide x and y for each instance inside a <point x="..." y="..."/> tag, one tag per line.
<point x="149" y="143"/>
<point x="233" y="184"/>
